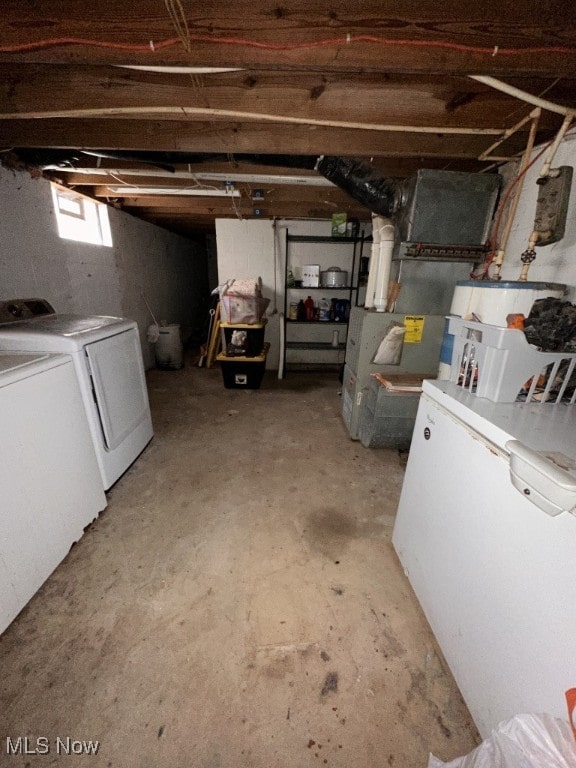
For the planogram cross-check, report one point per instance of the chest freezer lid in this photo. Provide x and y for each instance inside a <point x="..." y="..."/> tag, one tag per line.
<point x="540" y="426"/>
<point x="537" y="439"/>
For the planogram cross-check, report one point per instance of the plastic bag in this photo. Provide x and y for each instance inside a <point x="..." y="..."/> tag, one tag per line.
<point x="238" y="338"/>
<point x="525" y="741"/>
<point x="390" y="350"/>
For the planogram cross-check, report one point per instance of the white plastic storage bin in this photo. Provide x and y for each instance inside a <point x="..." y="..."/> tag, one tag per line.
<point x="499" y="364"/>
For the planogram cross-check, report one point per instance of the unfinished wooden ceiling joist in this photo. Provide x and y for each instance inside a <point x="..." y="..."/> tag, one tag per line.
<point x="383" y="82"/>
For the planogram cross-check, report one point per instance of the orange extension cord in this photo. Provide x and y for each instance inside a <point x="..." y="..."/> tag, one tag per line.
<point x="152" y="46"/>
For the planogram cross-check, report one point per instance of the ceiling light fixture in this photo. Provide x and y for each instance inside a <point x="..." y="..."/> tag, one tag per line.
<point x="265" y="178"/>
<point x="239" y="178"/>
<point x="125" y="189"/>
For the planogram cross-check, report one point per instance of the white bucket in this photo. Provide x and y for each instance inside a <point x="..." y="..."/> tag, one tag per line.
<point x="169" y="353"/>
<point x="491" y="302"/>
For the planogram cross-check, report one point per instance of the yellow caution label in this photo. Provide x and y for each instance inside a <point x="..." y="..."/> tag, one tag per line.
<point x="414" y="325"/>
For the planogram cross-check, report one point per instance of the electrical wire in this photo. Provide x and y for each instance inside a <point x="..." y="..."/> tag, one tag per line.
<point x="178" y="18"/>
<point x="483" y="275"/>
<point x="196" y="184"/>
<point x="237" y="210"/>
<point x="118" y="179"/>
<point x="152" y="47"/>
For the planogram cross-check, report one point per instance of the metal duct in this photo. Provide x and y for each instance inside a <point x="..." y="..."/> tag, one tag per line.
<point x="362" y="182"/>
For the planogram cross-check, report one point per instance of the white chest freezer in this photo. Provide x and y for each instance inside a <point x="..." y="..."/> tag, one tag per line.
<point x="491" y="555"/>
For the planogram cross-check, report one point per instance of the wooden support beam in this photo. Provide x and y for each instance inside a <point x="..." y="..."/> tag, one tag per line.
<point x="397" y="168"/>
<point x="452" y="36"/>
<point x="207" y="205"/>
<point x="194" y="136"/>
<point x="330" y="196"/>
<point x="364" y="97"/>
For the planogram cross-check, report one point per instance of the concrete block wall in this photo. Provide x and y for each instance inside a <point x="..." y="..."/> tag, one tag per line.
<point x="145" y="262"/>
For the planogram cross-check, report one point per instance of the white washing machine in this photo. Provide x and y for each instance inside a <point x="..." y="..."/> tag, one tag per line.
<point x="49" y="476"/>
<point x="108" y="362"/>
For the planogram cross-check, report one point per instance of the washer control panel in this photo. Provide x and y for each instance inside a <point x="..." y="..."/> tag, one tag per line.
<point x="23" y="309"/>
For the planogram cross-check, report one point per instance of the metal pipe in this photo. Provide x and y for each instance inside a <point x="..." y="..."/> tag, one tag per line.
<point x="506" y="135"/>
<point x="555" y="144"/>
<point x="519" y="181"/>
<point x="522" y="95"/>
<point x="528" y="256"/>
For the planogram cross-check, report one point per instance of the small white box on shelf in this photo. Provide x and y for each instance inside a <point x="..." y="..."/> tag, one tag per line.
<point x="311" y="276"/>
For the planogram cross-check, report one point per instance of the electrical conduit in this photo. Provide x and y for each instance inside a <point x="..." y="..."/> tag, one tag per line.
<point x="517" y="93"/>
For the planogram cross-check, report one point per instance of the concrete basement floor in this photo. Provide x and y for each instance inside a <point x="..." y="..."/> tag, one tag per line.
<point x="239" y="603"/>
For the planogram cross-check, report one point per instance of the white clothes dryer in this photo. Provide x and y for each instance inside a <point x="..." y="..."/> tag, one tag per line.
<point x="108" y="363"/>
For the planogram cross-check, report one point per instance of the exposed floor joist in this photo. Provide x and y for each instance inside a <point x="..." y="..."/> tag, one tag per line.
<point x="405" y="66"/>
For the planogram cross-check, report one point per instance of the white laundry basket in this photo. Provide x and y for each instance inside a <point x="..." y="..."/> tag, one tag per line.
<point x="169" y="353"/>
<point x="499" y="364"/>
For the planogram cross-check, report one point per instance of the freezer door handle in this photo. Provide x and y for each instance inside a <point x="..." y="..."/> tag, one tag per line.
<point x="540" y="480"/>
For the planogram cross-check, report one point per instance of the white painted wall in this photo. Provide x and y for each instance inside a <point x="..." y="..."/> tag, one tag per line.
<point x="556" y="262"/>
<point x="246" y="249"/>
<point x="86" y="279"/>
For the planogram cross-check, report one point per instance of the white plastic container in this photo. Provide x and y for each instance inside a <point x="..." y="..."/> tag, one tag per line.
<point x="334" y="277"/>
<point x="492" y="301"/>
<point x="169" y="353"/>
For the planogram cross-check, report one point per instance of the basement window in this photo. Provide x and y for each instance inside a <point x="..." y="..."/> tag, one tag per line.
<point x="80" y="218"/>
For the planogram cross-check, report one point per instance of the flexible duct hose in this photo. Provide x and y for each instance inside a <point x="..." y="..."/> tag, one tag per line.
<point x="362" y="182"/>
